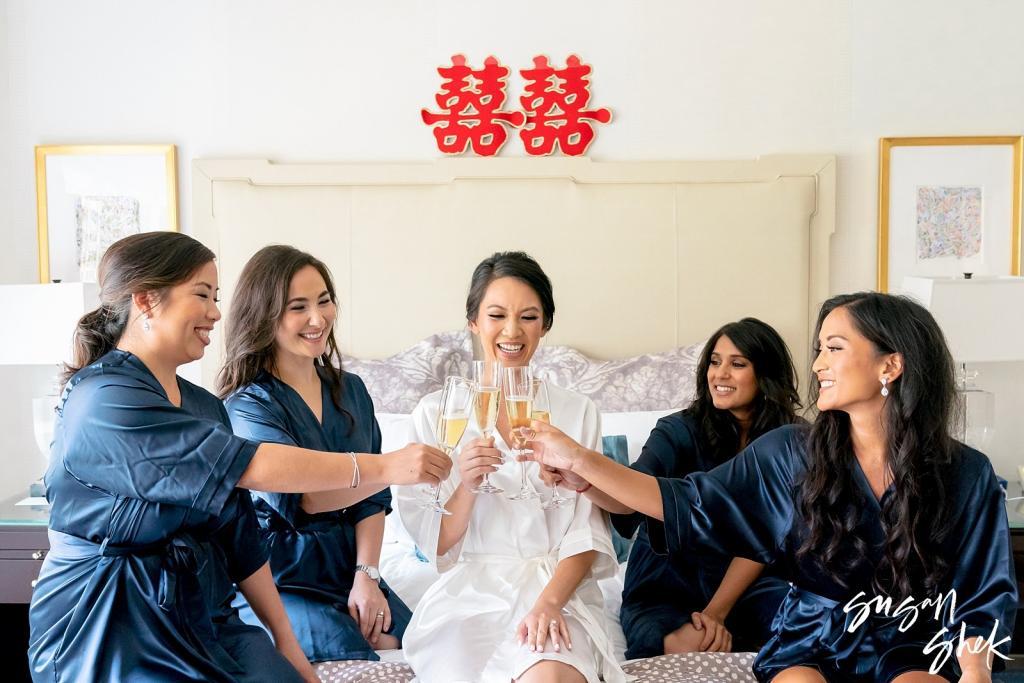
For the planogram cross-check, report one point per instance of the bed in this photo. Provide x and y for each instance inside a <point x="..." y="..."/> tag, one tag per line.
<point x="647" y="259"/>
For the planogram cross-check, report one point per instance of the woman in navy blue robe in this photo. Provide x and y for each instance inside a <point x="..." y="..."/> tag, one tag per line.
<point x="703" y="601"/>
<point x="148" y="530"/>
<point x="323" y="561"/>
<point x="874" y="501"/>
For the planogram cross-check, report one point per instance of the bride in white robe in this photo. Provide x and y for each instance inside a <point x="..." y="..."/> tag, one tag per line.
<point x="509" y="568"/>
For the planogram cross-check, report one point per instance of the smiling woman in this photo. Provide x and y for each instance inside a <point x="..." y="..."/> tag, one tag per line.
<point x="873" y="500"/>
<point x="150" y="527"/>
<point x="283" y="383"/>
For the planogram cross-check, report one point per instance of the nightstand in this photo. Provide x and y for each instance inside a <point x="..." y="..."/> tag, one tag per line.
<point x="23" y="545"/>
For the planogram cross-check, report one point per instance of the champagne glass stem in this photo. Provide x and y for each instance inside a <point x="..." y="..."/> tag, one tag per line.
<point x="522" y="472"/>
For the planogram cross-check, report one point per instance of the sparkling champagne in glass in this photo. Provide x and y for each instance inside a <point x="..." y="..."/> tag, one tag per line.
<point x="452" y="420"/>
<point x="519" y="406"/>
<point x="487" y="380"/>
<point x="541" y="410"/>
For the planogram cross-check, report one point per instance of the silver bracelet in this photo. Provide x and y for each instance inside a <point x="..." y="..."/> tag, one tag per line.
<point x="355" y="472"/>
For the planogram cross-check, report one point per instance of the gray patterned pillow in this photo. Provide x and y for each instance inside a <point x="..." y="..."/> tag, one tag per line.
<point x="660" y="381"/>
<point x="397" y="384"/>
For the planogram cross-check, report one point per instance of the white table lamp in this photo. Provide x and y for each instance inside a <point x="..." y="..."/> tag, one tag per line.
<point x="983" y="322"/>
<point x="42" y="319"/>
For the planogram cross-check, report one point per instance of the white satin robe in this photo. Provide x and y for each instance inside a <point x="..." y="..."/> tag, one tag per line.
<point x="464" y="628"/>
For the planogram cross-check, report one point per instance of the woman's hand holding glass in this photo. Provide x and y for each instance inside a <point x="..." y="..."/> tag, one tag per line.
<point x="416" y="464"/>
<point x="545" y="622"/>
<point x="569" y="480"/>
<point x="478" y="459"/>
<point x="551" y="447"/>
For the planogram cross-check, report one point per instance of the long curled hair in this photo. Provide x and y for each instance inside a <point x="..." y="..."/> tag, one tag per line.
<point x="777" y="398"/>
<point x="150" y="262"/>
<point x="257" y="306"/>
<point x="917" y="416"/>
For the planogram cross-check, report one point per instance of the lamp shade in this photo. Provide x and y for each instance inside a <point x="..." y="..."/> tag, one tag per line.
<point x="41" y="320"/>
<point x="982" y="318"/>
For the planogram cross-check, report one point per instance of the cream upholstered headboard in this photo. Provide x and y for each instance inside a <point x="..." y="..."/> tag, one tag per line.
<point x="644" y="256"/>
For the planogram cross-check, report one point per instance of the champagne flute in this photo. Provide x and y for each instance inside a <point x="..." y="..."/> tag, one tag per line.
<point x="519" y="405"/>
<point x="487" y="381"/>
<point x="452" y="420"/>
<point x="541" y="410"/>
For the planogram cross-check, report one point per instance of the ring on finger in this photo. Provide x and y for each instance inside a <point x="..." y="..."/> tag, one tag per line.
<point x="554" y="623"/>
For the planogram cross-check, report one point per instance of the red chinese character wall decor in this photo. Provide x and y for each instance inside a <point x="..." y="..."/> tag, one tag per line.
<point x="555" y="102"/>
<point x="472" y="101"/>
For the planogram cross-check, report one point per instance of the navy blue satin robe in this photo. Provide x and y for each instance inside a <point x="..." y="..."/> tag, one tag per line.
<point x="660" y="595"/>
<point x="148" y="534"/>
<point x="313" y="556"/>
<point x="747" y="507"/>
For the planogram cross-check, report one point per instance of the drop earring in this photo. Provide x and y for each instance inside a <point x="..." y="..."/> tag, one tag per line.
<point x="145" y="324"/>
<point x="885" y="389"/>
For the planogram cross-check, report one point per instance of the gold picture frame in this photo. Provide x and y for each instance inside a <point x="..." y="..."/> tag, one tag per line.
<point x="86" y="195"/>
<point x="974" y="181"/>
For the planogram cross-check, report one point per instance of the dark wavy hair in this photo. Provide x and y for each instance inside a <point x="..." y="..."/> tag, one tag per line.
<point x="777" y="398"/>
<point x="148" y="262"/>
<point x="517" y="264"/>
<point x="917" y="416"/>
<point x="257" y="306"/>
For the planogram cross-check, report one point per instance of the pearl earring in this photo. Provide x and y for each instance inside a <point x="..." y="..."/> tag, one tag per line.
<point x="145" y="324"/>
<point x="885" y="389"/>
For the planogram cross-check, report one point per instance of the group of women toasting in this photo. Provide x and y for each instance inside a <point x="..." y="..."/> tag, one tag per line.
<point x="236" y="538"/>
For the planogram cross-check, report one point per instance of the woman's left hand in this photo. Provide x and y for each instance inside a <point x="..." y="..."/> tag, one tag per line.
<point x="543" y="623"/>
<point x="292" y="651"/>
<point x="716" y="636"/>
<point x="368" y="607"/>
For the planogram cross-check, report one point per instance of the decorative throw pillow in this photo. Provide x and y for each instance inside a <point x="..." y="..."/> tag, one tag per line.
<point x="397" y="384"/>
<point x="615" y="448"/>
<point x="659" y="381"/>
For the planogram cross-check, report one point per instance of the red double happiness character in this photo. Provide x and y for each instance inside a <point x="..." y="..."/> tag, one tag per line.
<point x="472" y="101"/>
<point x="555" y="101"/>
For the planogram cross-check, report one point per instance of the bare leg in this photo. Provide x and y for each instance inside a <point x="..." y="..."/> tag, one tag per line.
<point x="918" y="677"/>
<point x="550" y="671"/>
<point x="686" y="638"/>
<point x="799" y="674"/>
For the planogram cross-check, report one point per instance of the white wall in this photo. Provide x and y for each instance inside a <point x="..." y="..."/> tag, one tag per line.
<point x="686" y="79"/>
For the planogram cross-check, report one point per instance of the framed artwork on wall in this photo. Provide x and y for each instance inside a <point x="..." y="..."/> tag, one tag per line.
<point x="89" y="196"/>
<point x="948" y="206"/>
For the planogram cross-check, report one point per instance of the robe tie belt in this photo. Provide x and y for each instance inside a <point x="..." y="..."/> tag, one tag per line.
<point x="179" y="591"/>
<point x="831" y="623"/>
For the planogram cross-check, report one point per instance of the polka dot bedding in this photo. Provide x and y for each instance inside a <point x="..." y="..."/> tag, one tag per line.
<point x="686" y="668"/>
